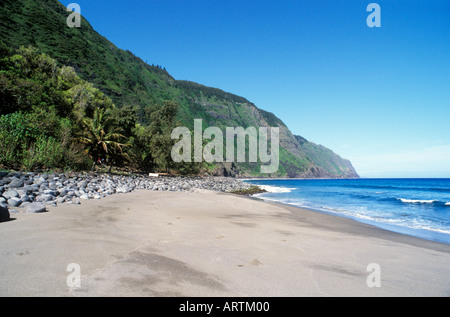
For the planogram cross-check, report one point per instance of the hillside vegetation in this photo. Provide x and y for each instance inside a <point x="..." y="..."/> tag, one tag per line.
<point x="81" y="82"/>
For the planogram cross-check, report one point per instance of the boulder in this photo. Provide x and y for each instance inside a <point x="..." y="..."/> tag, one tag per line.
<point x="60" y="200"/>
<point x="16" y="183"/>
<point x="10" y="194"/>
<point x="25" y="198"/>
<point x="50" y="192"/>
<point x="44" y="198"/>
<point x="83" y="184"/>
<point x="35" y="208"/>
<point x="63" y="192"/>
<point x="4" y="214"/>
<point x="52" y="186"/>
<point x="14" y="202"/>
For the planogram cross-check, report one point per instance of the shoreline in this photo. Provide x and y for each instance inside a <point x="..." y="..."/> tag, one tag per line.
<point x="435" y="235"/>
<point x="361" y="227"/>
<point x="372" y="223"/>
<point x="206" y="243"/>
<point x="365" y="228"/>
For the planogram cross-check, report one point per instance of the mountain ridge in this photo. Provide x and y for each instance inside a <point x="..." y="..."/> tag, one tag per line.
<point x="128" y="80"/>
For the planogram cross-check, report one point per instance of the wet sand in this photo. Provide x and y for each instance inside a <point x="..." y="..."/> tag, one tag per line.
<point x="207" y="243"/>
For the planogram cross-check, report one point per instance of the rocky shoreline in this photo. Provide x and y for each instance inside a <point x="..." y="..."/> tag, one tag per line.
<point x="31" y="192"/>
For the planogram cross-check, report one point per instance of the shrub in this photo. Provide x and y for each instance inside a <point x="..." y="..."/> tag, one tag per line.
<point x="24" y="144"/>
<point x="46" y="152"/>
<point x="16" y="135"/>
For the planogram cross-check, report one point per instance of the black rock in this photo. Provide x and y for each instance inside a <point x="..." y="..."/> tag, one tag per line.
<point x="4" y="214"/>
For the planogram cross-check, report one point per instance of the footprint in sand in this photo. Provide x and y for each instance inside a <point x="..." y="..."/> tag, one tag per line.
<point x="256" y="262"/>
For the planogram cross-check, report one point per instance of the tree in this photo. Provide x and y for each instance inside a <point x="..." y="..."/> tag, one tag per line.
<point x="125" y="117"/>
<point x="102" y="137"/>
<point x="162" y="122"/>
<point x="5" y="51"/>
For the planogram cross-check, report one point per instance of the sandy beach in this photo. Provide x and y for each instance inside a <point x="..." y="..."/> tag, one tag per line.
<point x="206" y="243"/>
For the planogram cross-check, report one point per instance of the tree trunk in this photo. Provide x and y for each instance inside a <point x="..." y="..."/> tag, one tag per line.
<point x="111" y="166"/>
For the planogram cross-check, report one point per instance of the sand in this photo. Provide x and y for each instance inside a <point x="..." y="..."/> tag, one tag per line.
<point x="207" y="243"/>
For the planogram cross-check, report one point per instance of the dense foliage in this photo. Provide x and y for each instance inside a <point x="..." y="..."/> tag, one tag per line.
<point x="50" y="117"/>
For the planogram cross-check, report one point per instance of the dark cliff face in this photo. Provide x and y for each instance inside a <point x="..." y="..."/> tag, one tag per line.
<point x="128" y="80"/>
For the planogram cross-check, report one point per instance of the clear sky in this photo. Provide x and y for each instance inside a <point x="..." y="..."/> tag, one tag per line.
<point x="377" y="96"/>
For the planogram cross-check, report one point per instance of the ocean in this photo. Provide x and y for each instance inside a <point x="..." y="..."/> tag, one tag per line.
<point x="417" y="207"/>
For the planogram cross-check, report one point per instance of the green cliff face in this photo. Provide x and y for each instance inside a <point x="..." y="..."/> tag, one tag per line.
<point x="128" y="80"/>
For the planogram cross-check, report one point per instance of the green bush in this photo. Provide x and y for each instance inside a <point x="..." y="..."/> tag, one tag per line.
<point x="46" y="152"/>
<point x="76" y="158"/>
<point x="16" y="136"/>
<point x="10" y="148"/>
<point x="26" y="145"/>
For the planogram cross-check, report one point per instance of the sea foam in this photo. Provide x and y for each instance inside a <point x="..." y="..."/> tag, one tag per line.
<point x="417" y="201"/>
<point x="276" y="189"/>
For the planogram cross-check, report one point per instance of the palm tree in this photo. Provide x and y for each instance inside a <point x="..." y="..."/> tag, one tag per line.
<point x="102" y="137"/>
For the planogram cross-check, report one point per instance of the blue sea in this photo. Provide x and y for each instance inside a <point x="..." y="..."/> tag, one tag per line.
<point x="417" y="207"/>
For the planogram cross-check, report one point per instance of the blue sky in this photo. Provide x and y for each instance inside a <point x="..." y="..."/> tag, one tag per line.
<point x="377" y="96"/>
